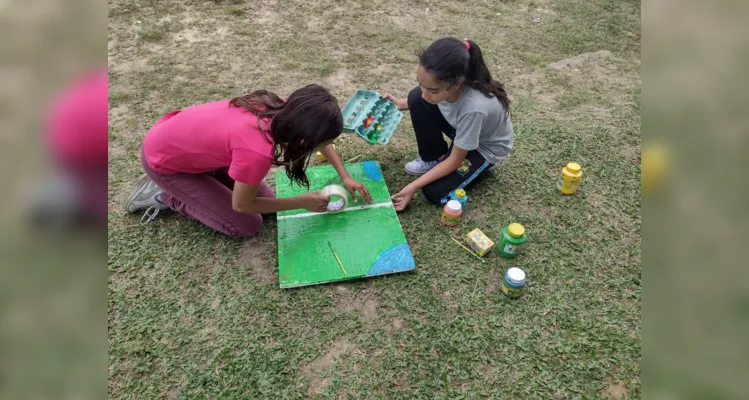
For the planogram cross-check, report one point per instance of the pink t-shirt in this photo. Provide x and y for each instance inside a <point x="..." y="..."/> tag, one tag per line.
<point x="207" y="137"/>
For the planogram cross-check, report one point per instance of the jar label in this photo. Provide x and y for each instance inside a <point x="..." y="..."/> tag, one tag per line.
<point x="450" y="220"/>
<point x="569" y="185"/>
<point x="511" y="292"/>
<point x="511" y="249"/>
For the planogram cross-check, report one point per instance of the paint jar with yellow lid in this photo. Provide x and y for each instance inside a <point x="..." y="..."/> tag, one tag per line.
<point x="569" y="182"/>
<point x="513" y="236"/>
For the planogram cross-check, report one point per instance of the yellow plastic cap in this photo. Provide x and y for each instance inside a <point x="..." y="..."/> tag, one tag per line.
<point x="573" y="167"/>
<point x="516" y="230"/>
<point x="460" y="193"/>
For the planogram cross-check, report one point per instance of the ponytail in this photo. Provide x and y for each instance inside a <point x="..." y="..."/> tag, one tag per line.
<point x="479" y="77"/>
<point x="450" y="59"/>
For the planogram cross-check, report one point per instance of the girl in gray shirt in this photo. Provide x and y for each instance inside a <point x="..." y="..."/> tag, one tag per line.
<point x="456" y="97"/>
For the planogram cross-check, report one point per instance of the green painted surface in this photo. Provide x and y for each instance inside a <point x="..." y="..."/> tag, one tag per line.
<point x="325" y="175"/>
<point x="364" y="239"/>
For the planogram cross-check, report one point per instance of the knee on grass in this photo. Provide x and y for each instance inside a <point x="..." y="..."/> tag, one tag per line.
<point x="246" y="228"/>
<point x="241" y="233"/>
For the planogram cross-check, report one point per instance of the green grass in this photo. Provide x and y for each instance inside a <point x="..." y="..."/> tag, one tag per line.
<point x="193" y="314"/>
<point x="153" y="35"/>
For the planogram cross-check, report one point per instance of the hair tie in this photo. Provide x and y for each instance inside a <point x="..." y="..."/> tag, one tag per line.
<point x="466" y="44"/>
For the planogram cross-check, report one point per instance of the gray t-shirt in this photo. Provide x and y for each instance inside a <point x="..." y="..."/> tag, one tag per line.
<point x="481" y="123"/>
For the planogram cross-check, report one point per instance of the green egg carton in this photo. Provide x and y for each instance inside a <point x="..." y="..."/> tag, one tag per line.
<point x="368" y="104"/>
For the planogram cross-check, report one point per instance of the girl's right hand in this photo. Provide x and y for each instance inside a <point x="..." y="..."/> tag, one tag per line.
<point x="402" y="104"/>
<point x="314" y="201"/>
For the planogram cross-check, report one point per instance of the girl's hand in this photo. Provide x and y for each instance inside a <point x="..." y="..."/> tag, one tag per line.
<point x="353" y="186"/>
<point x="314" y="201"/>
<point x="402" y="104"/>
<point x="401" y="199"/>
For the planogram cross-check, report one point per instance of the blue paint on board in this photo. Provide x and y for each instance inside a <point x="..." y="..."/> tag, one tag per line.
<point x="372" y="170"/>
<point x="395" y="259"/>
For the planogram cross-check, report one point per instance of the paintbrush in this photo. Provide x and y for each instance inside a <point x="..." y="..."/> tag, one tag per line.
<point x="337" y="259"/>
<point x="354" y="159"/>
<point x="468" y="250"/>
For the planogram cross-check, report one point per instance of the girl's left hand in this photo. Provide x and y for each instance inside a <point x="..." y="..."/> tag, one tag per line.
<point x="353" y="186"/>
<point x="401" y="199"/>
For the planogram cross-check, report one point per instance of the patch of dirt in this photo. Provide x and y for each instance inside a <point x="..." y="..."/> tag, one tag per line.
<point x="265" y="15"/>
<point x="580" y="59"/>
<point x="272" y="342"/>
<point x="531" y="83"/>
<point x="395" y="325"/>
<point x="194" y="34"/>
<point x="115" y="150"/>
<point x="614" y="390"/>
<point x="400" y="21"/>
<point x="314" y="24"/>
<point x="366" y="304"/>
<point x="173" y="393"/>
<point x="215" y="303"/>
<point x="323" y="364"/>
<point x="631" y="152"/>
<point x="127" y="67"/>
<point x="580" y="83"/>
<point x="548" y="212"/>
<point x="596" y="200"/>
<point x="340" y="84"/>
<point x="488" y="371"/>
<point x="187" y="321"/>
<point x="537" y="9"/>
<point x="398" y="78"/>
<point x="117" y="114"/>
<point x="256" y="254"/>
<point x="492" y="282"/>
<point x="370" y="310"/>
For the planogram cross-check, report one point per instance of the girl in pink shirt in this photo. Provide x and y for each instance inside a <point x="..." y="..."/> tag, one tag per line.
<point x="208" y="161"/>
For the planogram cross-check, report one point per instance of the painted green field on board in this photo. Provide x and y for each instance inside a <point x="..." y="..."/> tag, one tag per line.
<point x="368" y="240"/>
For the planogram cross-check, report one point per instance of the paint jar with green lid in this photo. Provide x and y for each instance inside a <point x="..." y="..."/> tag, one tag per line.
<point x="513" y="236"/>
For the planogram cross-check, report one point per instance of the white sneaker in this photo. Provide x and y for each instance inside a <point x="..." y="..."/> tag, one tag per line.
<point x="420" y="167"/>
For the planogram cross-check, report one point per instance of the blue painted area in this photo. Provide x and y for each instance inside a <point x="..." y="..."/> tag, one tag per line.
<point x="372" y="170"/>
<point x="395" y="259"/>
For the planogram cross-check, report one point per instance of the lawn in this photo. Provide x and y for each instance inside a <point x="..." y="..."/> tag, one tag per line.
<point x="193" y="314"/>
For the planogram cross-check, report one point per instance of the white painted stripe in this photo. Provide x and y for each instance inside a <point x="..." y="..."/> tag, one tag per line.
<point x="311" y="214"/>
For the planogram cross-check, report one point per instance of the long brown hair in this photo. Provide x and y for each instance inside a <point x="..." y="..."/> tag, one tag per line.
<point x="307" y="119"/>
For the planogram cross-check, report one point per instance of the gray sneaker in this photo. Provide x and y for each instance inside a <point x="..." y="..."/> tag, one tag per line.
<point x="144" y="196"/>
<point x="420" y="167"/>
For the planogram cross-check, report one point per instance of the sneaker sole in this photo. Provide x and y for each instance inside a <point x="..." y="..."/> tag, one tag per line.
<point x="412" y="173"/>
<point x="140" y="186"/>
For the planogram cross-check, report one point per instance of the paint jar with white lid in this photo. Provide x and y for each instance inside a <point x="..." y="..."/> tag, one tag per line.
<point x="513" y="284"/>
